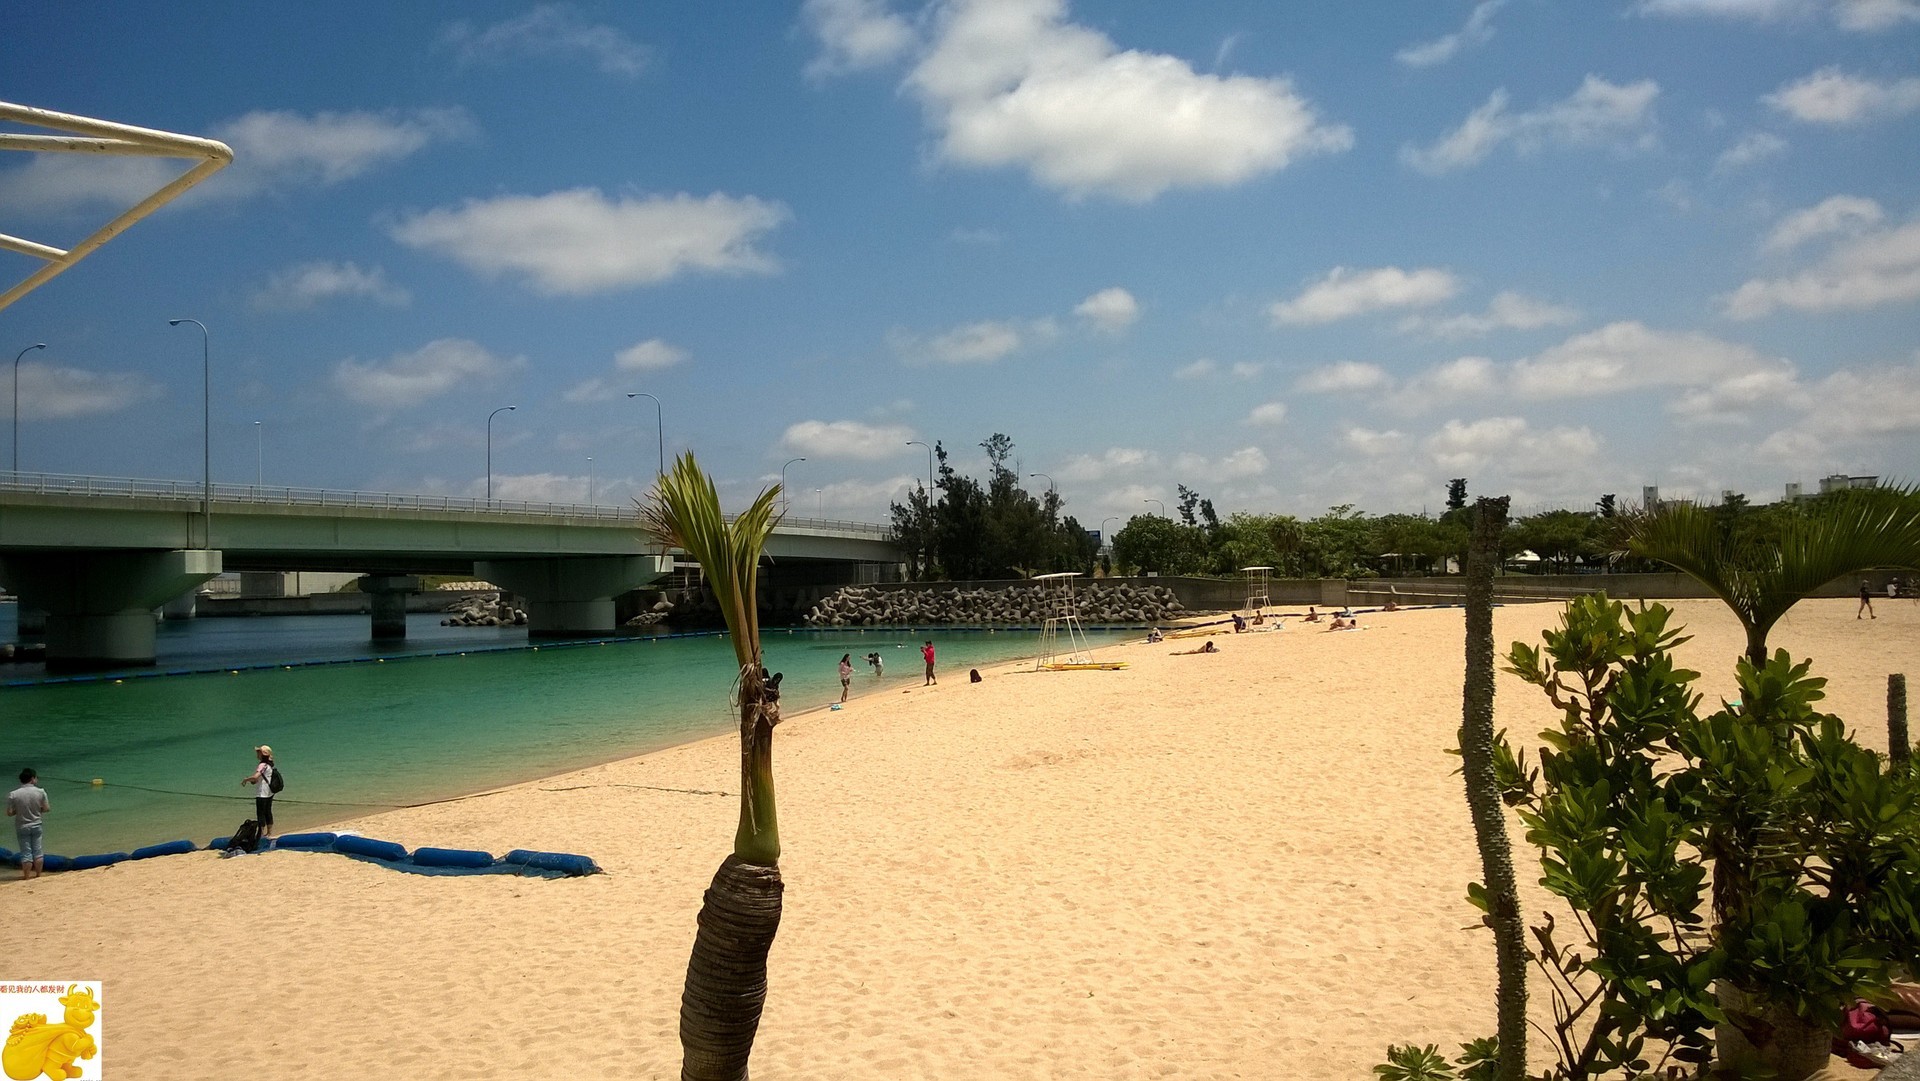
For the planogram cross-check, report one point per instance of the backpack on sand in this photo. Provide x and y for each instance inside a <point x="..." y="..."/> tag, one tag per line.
<point x="276" y="781"/>
<point x="246" y="838"/>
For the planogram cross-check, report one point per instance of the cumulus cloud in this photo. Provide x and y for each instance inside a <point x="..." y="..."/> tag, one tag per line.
<point x="57" y="392"/>
<point x="1246" y="369"/>
<point x="1013" y="83"/>
<point x="1753" y="148"/>
<point x="1872" y="269"/>
<point x="1344" y="293"/>
<point x="580" y="241"/>
<point x="1831" y="96"/>
<point x="436" y="368"/>
<point x="1507" y="311"/>
<point x="1508" y="440"/>
<point x="1477" y="31"/>
<point x="1838" y="214"/>
<point x="1268" y="415"/>
<point x="550" y="31"/>
<point x="1112" y="310"/>
<point x="1234" y="465"/>
<point x="1856" y="15"/>
<point x="1600" y="112"/>
<point x="971" y="343"/>
<point x="855" y="35"/>
<point x="1852" y="409"/>
<point x="1344" y="376"/>
<point x="648" y="356"/>
<point x="306" y="285"/>
<point x="1199" y="369"/>
<point x="1113" y="462"/>
<point x="273" y="151"/>
<point x="1374" y="444"/>
<point x="1628" y="356"/>
<point x="846" y="439"/>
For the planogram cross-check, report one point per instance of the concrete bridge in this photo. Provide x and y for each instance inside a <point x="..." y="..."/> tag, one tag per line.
<point x="98" y="554"/>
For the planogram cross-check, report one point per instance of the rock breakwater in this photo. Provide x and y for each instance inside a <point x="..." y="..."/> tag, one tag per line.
<point x="865" y="606"/>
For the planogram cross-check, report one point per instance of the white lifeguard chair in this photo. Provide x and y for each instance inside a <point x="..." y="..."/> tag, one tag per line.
<point x="1257" y="599"/>
<point x="1063" y="641"/>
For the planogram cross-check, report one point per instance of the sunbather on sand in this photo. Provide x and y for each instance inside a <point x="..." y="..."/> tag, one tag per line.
<point x="1209" y="647"/>
<point x="1344" y="623"/>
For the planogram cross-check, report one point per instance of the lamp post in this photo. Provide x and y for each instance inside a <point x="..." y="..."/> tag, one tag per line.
<point x="490" y="416"/>
<point x="819" y="505"/>
<point x="918" y="443"/>
<point x="1052" y="487"/>
<point x="16" y="405"/>
<point x="206" y="421"/>
<point x="1104" y="535"/>
<point x="259" y="454"/>
<point x="660" y="427"/>
<point x="1163" y="506"/>
<point x="589" y="480"/>
<point x="784" y="501"/>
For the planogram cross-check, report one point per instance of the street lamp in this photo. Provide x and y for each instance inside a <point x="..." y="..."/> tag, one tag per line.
<point x="1104" y="535"/>
<point x="1050" y="485"/>
<point x="917" y="443"/>
<point x="1163" y="506"/>
<point x="259" y="454"/>
<point x="490" y="416"/>
<point x="16" y="405"/>
<point x="589" y="480"/>
<point x="818" y="505"/>
<point x="660" y="427"/>
<point x="206" y="420"/>
<point x="784" y="501"/>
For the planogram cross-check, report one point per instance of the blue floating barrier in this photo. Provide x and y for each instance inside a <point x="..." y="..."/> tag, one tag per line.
<point x="56" y="863"/>
<point x="7" y="857"/>
<point x="170" y="848"/>
<point x="88" y="863"/>
<point x="451" y="857"/>
<point x="218" y="844"/>
<point x="367" y="846"/>
<point x="306" y="840"/>
<point x="564" y="862"/>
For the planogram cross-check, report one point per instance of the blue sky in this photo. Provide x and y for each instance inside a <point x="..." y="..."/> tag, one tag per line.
<point x="1292" y="255"/>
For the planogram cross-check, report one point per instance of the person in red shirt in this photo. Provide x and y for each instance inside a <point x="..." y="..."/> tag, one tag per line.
<point x="926" y="651"/>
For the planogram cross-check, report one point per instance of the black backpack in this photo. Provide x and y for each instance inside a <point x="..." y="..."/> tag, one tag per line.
<point x="276" y="780"/>
<point x="246" y="838"/>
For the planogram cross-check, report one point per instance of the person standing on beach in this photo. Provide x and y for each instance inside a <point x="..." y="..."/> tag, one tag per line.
<point x="27" y="806"/>
<point x="262" y="781"/>
<point x="846" y="674"/>
<point x="926" y="652"/>
<point x="1866" y="603"/>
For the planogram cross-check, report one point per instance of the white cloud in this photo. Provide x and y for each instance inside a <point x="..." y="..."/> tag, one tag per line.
<point x="648" y="356"/>
<point x="436" y="368"/>
<point x="1125" y="462"/>
<point x="1013" y="83"/>
<point x="1112" y="310"/>
<point x="552" y="31"/>
<point x="300" y="287"/>
<point x="579" y="242"/>
<point x="855" y="35"/>
<point x="1245" y="462"/>
<point x="1629" y="355"/>
<point x="273" y="151"/>
<point x="1509" y="440"/>
<point x="1831" y="96"/>
<point x="1344" y="293"/>
<point x="1244" y="369"/>
<point x="57" y="392"/>
<point x="1861" y="272"/>
<point x="1853" y="409"/>
<point x="1757" y="10"/>
<point x="540" y="488"/>
<point x="1871" y="15"/>
<point x="1856" y="15"/>
<point x="1374" y="444"/>
<point x="1268" y="415"/>
<point x="846" y="439"/>
<point x="1507" y="311"/>
<point x="1752" y="148"/>
<point x="972" y="343"/>
<point x="1730" y="399"/>
<point x="1477" y="31"/>
<point x="1616" y="114"/>
<point x="1344" y="376"/>
<point x="1199" y="369"/>
<point x="1838" y="214"/>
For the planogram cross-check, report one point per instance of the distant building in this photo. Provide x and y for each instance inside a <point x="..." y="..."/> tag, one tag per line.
<point x="1794" y="495"/>
<point x="1650" y="497"/>
<point x="1840" y="482"/>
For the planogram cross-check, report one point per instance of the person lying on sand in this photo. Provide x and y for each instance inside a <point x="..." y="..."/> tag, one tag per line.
<point x="1343" y="623"/>
<point x="1391" y="605"/>
<point x="1209" y="647"/>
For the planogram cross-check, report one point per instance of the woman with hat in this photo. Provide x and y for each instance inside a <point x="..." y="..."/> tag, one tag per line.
<point x="262" y="781"/>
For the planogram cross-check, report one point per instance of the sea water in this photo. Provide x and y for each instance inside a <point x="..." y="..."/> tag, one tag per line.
<point x="357" y="738"/>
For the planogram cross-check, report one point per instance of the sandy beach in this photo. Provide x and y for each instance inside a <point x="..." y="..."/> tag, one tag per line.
<point x="1242" y="865"/>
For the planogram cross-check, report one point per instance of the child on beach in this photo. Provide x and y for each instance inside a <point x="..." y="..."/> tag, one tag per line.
<point x="846" y="674"/>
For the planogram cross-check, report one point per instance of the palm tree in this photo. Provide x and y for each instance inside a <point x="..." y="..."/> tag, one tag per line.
<point x="727" y="974"/>
<point x="1761" y="577"/>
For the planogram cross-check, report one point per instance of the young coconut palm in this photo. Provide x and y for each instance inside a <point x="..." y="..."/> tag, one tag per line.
<point x="1759" y="579"/>
<point x="727" y="974"/>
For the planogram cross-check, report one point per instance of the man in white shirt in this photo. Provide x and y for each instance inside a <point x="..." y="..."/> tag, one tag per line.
<point x="27" y="806"/>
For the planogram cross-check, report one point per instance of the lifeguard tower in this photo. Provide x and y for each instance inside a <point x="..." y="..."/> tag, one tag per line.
<point x="1257" y="599"/>
<point x="1063" y="641"/>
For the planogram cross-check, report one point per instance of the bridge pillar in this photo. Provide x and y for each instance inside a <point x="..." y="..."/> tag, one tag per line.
<point x="100" y="605"/>
<point x="389" y="594"/>
<point x="572" y="596"/>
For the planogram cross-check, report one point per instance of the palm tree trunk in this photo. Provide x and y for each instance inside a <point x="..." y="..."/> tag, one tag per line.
<point x="1483" y="791"/>
<point x="1899" y="745"/>
<point x="727" y="974"/>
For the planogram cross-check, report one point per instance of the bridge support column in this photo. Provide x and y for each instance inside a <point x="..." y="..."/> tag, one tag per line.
<point x="389" y="594"/>
<point x="569" y="597"/>
<point x="100" y="605"/>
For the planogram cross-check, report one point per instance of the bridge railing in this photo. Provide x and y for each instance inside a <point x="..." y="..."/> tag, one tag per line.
<point x="277" y="495"/>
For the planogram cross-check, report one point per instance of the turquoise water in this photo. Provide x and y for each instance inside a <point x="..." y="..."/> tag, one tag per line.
<point x="400" y="731"/>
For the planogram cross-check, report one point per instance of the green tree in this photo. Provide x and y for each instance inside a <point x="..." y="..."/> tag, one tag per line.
<point x="1457" y="493"/>
<point x="1561" y="538"/>
<point x="726" y="974"/>
<point x="1149" y="542"/>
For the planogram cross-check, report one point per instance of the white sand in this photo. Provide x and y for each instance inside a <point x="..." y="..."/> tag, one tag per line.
<point x="1244" y="865"/>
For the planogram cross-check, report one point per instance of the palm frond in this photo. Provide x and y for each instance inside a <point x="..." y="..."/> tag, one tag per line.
<point x="683" y="511"/>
